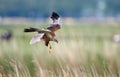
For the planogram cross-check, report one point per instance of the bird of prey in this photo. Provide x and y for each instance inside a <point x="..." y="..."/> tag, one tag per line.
<point x="46" y="34"/>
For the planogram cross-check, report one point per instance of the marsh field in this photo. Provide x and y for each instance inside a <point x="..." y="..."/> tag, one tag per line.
<point x="84" y="50"/>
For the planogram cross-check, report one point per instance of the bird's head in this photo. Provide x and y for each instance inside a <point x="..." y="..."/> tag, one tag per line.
<point x="55" y="40"/>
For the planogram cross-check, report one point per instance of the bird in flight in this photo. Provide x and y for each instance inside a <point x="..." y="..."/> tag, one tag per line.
<point x="46" y="34"/>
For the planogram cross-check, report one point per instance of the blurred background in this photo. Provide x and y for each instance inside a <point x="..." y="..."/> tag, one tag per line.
<point x="75" y="9"/>
<point x="18" y="11"/>
<point x="89" y="40"/>
<point x="71" y="8"/>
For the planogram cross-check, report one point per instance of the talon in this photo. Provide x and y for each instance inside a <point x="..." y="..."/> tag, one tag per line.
<point x="50" y="47"/>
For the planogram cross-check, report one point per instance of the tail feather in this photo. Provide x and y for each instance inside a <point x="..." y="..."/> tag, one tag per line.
<point x="30" y="30"/>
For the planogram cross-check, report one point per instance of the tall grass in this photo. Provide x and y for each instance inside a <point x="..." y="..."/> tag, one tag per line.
<point x="83" y="51"/>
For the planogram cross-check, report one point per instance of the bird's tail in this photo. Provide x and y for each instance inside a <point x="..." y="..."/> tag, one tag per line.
<point x="30" y="29"/>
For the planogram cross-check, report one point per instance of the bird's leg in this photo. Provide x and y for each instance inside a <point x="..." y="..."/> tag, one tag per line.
<point x="48" y="45"/>
<point x="50" y="48"/>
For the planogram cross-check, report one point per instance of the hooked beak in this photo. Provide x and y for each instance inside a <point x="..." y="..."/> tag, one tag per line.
<point x="55" y="40"/>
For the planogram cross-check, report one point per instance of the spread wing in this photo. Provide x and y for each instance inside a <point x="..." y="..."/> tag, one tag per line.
<point x="44" y="31"/>
<point x="55" y="17"/>
<point x="36" y="38"/>
<point x="36" y="30"/>
<point x="56" y="22"/>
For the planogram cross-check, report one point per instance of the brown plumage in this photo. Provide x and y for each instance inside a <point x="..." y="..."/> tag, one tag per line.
<point x="47" y="34"/>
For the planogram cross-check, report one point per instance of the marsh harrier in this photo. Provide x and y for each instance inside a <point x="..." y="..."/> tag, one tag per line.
<point x="47" y="34"/>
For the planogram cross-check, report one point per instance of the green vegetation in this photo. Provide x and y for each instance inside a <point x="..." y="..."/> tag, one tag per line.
<point x="84" y="50"/>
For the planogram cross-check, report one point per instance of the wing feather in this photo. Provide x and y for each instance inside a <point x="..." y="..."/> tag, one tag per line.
<point x="44" y="31"/>
<point x="36" y="38"/>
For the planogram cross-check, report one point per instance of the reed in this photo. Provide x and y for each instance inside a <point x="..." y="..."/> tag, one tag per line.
<point x="84" y="50"/>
